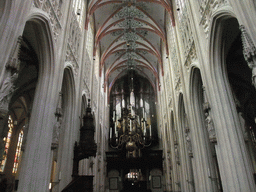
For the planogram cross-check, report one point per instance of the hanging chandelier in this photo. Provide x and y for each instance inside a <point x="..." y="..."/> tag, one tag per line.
<point x="131" y="130"/>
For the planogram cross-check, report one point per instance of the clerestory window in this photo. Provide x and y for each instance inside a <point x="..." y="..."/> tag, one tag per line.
<point x="181" y="4"/>
<point x="79" y="9"/>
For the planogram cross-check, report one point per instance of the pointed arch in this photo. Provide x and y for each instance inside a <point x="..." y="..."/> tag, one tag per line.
<point x="67" y="132"/>
<point x="38" y="31"/>
<point x="204" y="159"/>
<point x="185" y="147"/>
<point x="219" y="45"/>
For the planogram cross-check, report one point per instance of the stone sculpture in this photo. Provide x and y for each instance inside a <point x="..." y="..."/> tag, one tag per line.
<point x="210" y="128"/>
<point x="7" y="91"/>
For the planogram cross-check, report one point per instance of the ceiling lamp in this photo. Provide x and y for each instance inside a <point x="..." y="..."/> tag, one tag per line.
<point x="131" y="130"/>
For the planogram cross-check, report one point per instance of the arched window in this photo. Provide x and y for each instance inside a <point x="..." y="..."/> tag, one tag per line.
<point x="79" y="9"/>
<point x="180" y="7"/>
<point x="17" y="153"/>
<point x="7" y="141"/>
<point x="90" y="41"/>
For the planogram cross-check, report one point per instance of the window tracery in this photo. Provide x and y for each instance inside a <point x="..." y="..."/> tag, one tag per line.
<point x="53" y="9"/>
<point x="206" y="8"/>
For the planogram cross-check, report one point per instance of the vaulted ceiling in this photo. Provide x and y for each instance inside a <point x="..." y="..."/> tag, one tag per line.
<point x="129" y="35"/>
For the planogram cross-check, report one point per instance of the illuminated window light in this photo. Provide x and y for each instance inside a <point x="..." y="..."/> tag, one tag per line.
<point x="17" y="153"/>
<point x="7" y="141"/>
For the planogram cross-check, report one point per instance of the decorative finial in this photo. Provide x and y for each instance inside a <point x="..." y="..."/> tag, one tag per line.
<point x="249" y="49"/>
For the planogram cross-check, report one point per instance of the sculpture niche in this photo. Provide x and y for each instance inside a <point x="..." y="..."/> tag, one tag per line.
<point x="87" y="146"/>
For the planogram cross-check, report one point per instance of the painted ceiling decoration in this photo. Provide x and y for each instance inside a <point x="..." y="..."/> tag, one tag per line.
<point x="130" y="35"/>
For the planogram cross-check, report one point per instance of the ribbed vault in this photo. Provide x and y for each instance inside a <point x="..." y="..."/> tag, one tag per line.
<point x="130" y="34"/>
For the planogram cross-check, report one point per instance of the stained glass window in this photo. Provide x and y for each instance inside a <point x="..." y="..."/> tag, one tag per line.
<point x="7" y="141"/>
<point x="17" y="153"/>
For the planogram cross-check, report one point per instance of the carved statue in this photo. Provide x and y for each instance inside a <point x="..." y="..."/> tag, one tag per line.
<point x="12" y="67"/>
<point x="210" y="128"/>
<point x="176" y="151"/>
<point x="91" y="163"/>
<point x="56" y="127"/>
<point x="7" y="91"/>
<point x="56" y="134"/>
<point x="189" y="145"/>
